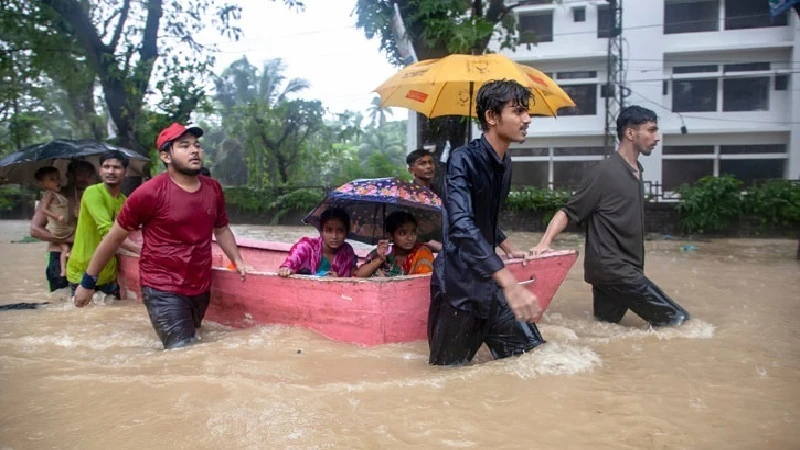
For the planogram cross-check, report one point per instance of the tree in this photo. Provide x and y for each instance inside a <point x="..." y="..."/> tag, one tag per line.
<point x="274" y="128"/>
<point x="377" y="113"/>
<point x="121" y="43"/>
<point x="436" y="29"/>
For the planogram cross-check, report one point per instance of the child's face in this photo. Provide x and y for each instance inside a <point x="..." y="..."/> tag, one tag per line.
<point x="333" y="234"/>
<point x="51" y="182"/>
<point x="405" y="237"/>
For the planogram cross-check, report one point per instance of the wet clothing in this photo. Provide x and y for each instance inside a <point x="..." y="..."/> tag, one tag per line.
<point x="455" y="335"/>
<point x="476" y="183"/>
<point x="305" y="257"/>
<point x="176" y="232"/>
<point x="97" y="213"/>
<point x="467" y="306"/>
<point x="175" y="317"/>
<point x="611" y="202"/>
<point x="418" y="261"/>
<point x="643" y="297"/>
<point x="53" y="272"/>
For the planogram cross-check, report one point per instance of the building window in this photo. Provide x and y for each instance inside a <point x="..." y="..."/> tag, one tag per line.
<point x="576" y="74"/>
<point x="749" y="162"/>
<point x="538" y="151"/>
<point x="569" y="174"/>
<point x="665" y="87"/>
<point x="747" y="67"/>
<point x="745" y="14"/>
<point x="781" y="82"/>
<point x="531" y="173"/>
<point x="687" y="16"/>
<point x="751" y="170"/>
<point x="603" y="21"/>
<point x="579" y="151"/>
<point x="687" y="150"/>
<point x="745" y="94"/>
<point x="695" y="69"/>
<point x="699" y="95"/>
<point x="676" y="172"/>
<point x="585" y="98"/>
<point x="579" y="14"/>
<point x="536" y="27"/>
<point x="761" y="149"/>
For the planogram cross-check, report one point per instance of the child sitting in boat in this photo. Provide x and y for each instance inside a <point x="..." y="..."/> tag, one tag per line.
<point x="327" y="254"/>
<point x="408" y="257"/>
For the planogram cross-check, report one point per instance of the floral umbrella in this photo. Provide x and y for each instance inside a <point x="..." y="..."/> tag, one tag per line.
<point x="369" y="201"/>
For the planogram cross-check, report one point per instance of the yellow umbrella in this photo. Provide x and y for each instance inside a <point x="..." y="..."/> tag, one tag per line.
<point x="448" y="86"/>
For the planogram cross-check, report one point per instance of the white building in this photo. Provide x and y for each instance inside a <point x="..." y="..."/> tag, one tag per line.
<point x="722" y="68"/>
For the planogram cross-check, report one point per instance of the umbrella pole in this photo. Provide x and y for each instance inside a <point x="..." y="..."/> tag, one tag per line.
<point x="469" y="116"/>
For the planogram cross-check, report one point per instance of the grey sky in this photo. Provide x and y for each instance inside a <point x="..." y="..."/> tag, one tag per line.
<point x="320" y="44"/>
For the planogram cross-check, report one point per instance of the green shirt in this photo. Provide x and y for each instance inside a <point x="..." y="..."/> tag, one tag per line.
<point x="99" y="209"/>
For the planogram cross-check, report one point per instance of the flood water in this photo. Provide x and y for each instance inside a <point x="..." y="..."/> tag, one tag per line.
<point x="730" y="378"/>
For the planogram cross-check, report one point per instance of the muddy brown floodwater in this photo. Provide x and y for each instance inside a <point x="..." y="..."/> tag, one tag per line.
<point x="730" y="378"/>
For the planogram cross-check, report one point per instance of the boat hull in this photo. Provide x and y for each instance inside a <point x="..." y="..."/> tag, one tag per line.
<point x="366" y="311"/>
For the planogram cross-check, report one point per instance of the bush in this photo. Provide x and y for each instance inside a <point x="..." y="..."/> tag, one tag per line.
<point x="775" y="203"/>
<point x="299" y="200"/>
<point x="248" y="199"/>
<point x="710" y="204"/>
<point x="531" y="198"/>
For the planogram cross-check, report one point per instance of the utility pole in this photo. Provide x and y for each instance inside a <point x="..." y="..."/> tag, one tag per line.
<point x="613" y="88"/>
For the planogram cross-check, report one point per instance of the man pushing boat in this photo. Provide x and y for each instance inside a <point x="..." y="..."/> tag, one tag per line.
<point x="475" y="299"/>
<point x="178" y="211"/>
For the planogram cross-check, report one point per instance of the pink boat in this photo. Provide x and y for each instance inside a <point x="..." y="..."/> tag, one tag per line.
<point x="366" y="311"/>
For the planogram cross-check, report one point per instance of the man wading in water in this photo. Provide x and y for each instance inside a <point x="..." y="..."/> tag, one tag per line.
<point x="474" y="297"/>
<point x="611" y="200"/>
<point x="178" y="212"/>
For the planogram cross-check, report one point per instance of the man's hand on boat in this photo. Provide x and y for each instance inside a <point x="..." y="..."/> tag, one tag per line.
<point x="540" y="249"/>
<point x="285" y="272"/>
<point x="523" y="302"/>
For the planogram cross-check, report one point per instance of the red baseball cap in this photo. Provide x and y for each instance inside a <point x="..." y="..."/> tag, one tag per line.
<point x="175" y="131"/>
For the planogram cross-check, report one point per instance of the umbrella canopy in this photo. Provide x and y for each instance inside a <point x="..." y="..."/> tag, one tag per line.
<point x="20" y="166"/>
<point x="369" y="201"/>
<point x="448" y="86"/>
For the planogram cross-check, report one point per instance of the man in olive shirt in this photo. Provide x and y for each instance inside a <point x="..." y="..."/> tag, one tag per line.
<point x="611" y="201"/>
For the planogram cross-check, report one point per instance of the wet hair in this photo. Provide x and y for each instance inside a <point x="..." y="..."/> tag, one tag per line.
<point x="633" y="116"/>
<point x="77" y="164"/>
<point x="44" y="171"/>
<point x="335" y="213"/>
<point x="115" y="154"/>
<point x="397" y="219"/>
<point x="494" y="95"/>
<point x="205" y="171"/>
<point x="415" y="155"/>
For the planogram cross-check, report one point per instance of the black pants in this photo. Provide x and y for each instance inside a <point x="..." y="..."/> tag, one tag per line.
<point x="53" y="272"/>
<point x="647" y="300"/>
<point x="175" y="316"/>
<point x="454" y="336"/>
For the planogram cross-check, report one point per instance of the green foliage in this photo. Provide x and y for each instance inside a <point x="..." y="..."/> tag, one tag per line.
<point x="9" y="196"/>
<point x="301" y="200"/>
<point x="531" y="198"/>
<point x="249" y="200"/>
<point x="711" y="204"/>
<point x="775" y="203"/>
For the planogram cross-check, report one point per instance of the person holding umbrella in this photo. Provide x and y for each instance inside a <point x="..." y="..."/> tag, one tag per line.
<point x="475" y="299"/>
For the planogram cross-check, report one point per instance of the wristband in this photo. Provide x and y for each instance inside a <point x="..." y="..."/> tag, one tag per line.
<point x="88" y="281"/>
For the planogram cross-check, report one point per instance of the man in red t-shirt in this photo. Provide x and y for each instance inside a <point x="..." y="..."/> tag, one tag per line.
<point x="178" y="211"/>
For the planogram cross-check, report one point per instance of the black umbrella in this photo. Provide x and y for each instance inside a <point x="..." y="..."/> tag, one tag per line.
<point x="20" y="166"/>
